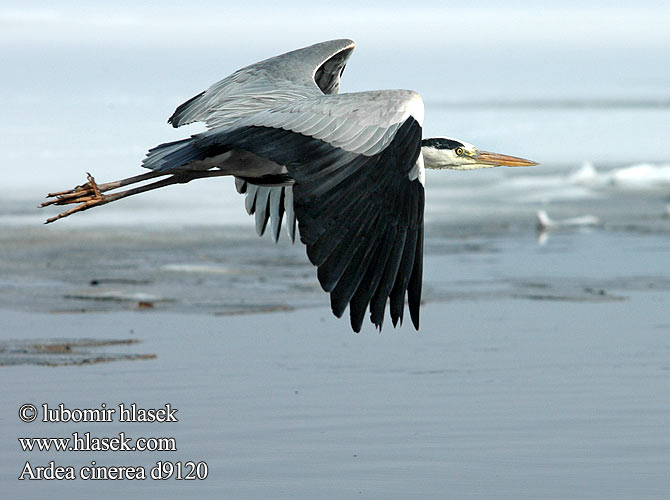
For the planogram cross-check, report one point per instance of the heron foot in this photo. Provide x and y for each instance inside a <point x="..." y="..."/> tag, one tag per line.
<point x="86" y="195"/>
<point x="71" y="195"/>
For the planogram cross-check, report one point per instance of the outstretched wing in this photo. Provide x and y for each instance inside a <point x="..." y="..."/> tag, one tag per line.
<point x="357" y="171"/>
<point x="358" y="193"/>
<point x="306" y="72"/>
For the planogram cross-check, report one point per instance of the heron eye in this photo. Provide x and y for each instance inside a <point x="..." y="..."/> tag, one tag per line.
<point x="459" y="151"/>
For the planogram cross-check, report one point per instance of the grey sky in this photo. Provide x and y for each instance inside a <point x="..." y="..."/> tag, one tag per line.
<point x="254" y="23"/>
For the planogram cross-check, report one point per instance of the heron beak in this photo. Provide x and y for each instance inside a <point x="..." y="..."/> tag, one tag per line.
<point x="498" y="160"/>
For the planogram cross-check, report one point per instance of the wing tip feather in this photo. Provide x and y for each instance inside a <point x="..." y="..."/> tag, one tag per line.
<point x="178" y="118"/>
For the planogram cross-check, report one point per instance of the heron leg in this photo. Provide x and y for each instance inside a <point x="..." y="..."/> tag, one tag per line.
<point x="91" y="195"/>
<point x="91" y="188"/>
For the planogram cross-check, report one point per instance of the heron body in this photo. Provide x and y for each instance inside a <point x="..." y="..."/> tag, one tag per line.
<point x="349" y="168"/>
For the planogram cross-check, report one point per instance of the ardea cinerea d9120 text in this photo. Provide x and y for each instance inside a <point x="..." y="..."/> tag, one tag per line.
<point x="348" y="167"/>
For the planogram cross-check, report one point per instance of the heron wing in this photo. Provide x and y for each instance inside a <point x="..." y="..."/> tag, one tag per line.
<point x="271" y="208"/>
<point x="310" y="71"/>
<point x="357" y="122"/>
<point x="357" y="195"/>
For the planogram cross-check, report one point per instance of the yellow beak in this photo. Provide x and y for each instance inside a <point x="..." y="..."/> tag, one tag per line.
<point x="500" y="160"/>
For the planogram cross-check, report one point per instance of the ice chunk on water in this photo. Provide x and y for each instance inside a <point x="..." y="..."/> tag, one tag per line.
<point x="642" y="176"/>
<point x="586" y="174"/>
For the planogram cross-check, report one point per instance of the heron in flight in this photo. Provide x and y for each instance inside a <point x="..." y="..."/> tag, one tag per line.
<point x="348" y="167"/>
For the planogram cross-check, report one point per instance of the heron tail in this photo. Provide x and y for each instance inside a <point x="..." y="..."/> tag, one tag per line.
<point x="171" y="155"/>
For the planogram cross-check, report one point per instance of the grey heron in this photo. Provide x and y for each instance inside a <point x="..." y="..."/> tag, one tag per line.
<point x="348" y="167"/>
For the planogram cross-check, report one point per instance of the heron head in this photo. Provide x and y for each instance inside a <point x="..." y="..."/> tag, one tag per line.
<point x="445" y="152"/>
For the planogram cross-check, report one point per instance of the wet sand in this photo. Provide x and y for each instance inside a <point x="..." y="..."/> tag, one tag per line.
<point x="515" y="398"/>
